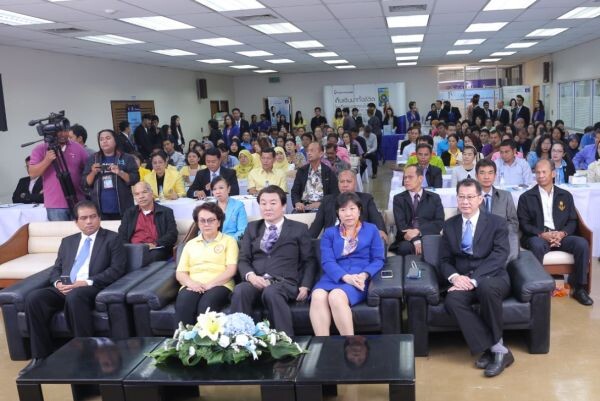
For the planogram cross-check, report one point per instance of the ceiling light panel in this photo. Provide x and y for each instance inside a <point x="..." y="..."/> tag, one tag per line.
<point x="157" y="23"/>
<point x="468" y="42"/>
<point x="489" y="60"/>
<point x="486" y="27"/>
<point x="546" y="32"/>
<point x="111" y="40"/>
<point x="255" y="53"/>
<point x="218" y="42"/>
<point x="407" y="38"/>
<point x="455" y="52"/>
<point x="16" y="19"/>
<point x="280" y="61"/>
<point x="404" y="50"/>
<point x="407" y="58"/>
<point x="345" y="67"/>
<point x="323" y="54"/>
<point x="407" y="63"/>
<point x="173" y="52"/>
<point x="497" y="5"/>
<point x="520" y="45"/>
<point x="497" y="54"/>
<point x="407" y="21"/>
<point x="340" y="61"/>
<point x="275" y="29"/>
<point x="581" y="12"/>
<point x="305" y="44"/>
<point x="243" y="67"/>
<point x="215" y="61"/>
<point x="231" y="5"/>
<point x="265" y="71"/>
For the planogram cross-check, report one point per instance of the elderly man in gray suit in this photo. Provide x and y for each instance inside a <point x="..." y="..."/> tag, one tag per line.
<point x="498" y="202"/>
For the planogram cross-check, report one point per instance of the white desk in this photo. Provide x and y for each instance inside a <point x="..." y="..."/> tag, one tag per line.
<point x="586" y="199"/>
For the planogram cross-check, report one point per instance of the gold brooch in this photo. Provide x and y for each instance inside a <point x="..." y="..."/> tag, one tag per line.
<point x="561" y="206"/>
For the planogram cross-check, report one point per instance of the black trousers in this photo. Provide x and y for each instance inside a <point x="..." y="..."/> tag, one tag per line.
<point x="275" y="298"/>
<point x="190" y="304"/>
<point x="577" y="246"/>
<point x="373" y="157"/>
<point x="43" y="303"/>
<point x="156" y="255"/>
<point x="403" y="248"/>
<point x="484" y="329"/>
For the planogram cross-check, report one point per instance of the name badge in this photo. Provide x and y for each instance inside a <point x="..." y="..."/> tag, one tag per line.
<point x="107" y="182"/>
<point x="219" y="249"/>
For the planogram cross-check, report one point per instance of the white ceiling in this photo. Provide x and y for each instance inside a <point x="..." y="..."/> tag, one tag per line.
<point x="355" y="29"/>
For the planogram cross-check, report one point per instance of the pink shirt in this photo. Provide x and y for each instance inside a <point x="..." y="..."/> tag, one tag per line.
<point x="343" y="154"/>
<point x="75" y="157"/>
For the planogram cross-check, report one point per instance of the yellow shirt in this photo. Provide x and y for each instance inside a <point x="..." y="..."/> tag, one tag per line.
<point x="258" y="177"/>
<point x="143" y="172"/>
<point x="204" y="261"/>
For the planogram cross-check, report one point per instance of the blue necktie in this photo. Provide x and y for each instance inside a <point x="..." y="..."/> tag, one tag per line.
<point x="467" y="239"/>
<point x="80" y="259"/>
<point x="271" y="239"/>
<point x="488" y="203"/>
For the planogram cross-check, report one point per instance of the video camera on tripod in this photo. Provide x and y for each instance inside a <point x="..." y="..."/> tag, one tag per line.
<point x="49" y="128"/>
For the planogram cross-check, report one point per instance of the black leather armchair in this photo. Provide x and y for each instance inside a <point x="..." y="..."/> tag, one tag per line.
<point x="527" y="308"/>
<point x="153" y="304"/>
<point x="112" y="316"/>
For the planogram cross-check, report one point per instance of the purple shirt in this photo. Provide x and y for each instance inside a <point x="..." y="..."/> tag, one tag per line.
<point x="585" y="157"/>
<point x="75" y="157"/>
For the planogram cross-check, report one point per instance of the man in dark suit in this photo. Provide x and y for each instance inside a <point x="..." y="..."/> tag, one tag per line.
<point x="486" y="111"/>
<point x="29" y="190"/>
<point x="124" y="139"/>
<point x="149" y="223"/>
<point x="548" y="220"/>
<point x="143" y="137"/>
<point x="276" y="262"/>
<point x="521" y="111"/>
<point x="242" y="124"/>
<point x="313" y="181"/>
<point x="416" y="212"/>
<point x="473" y="255"/>
<point x="501" y="114"/>
<point x="358" y="121"/>
<point x="86" y="263"/>
<point x="318" y="120"/>
<point x="200" y="188"/>
<point x="326" y="216"/>
<point x="432" y="174"/>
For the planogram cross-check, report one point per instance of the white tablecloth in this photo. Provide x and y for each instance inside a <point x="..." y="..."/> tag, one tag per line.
<point x="585" y="198"/>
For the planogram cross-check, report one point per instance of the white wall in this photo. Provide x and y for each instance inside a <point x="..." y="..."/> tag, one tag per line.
<point x="306" y="89"/>
<point x="37" y="83"/>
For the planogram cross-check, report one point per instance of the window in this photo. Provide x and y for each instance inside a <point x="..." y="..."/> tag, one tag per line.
<point x="565" y="103"/>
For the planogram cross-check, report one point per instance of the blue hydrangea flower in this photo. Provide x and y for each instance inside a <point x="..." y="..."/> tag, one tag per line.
<point x="238" y="323"/>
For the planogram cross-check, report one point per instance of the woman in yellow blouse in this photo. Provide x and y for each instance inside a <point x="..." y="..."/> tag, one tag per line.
<point x="281" y="161"/>
<point x="245" y="166"/>
<point x="165" y="182"/>
<point x="298" y="121"/>
<point x="141" y="169"/>
<point x="189" y="171"/>
<point x="338" y="119"/>
<point x="206" y="267"/>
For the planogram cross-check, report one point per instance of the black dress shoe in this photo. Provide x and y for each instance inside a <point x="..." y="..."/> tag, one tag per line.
<point x="32" y="364"/>
<point x="583" y="297"/>
<point x="484" y="360"/>
<point x="499" y="363"/>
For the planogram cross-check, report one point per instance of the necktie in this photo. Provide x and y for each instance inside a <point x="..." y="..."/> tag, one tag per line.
<point x="415" y="219"/>
<point x="467" y="239"/>
<point x="83" y="254"/>
<point x="425" y="183"/>
<point x="488" y="203"/>
<point x="213" y="175"/>
<point x="271" y="239"/>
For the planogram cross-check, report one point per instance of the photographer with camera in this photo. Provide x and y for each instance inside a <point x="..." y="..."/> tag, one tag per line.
<point x="109" y="175"/>
<point x="40" y="164"/>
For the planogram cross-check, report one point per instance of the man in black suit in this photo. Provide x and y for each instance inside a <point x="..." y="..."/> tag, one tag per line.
<point x="318" y="120"/>
<point x="143" y="138"/>
<point x="313" y="181"/>
<point x="486" y="111"/>
<point x="276" y="262"/>
<point x="473" y="255"/>
<point x="200" y="188"/>
<point x="432" y="174"/>
<point x="149" y="223"/>
<point x="358" y="121"/>
<point x="521" y="111"/>
<point x="326" y="216"/>
<point x="124" y="139"/>
<point x="501" y="114"/>
<point x="29" y="190"/>
<point x="416" y="212"/>
<point x="548" y="220"/>
<point x="86" y="263"/>
<point x="239" y="121"/>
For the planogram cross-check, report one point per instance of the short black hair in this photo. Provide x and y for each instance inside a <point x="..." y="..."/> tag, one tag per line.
<point x="123" y="125"/>
<point x="154" y="118"/>
<point x="424" y="146"/>
<point x="418" y="169"/>
<point x="85" y="204"/>
<point x="80" y="132"/>
<point x="27" y="159"/>
<point x="147" y="116"/>
<point x="485" y="163"/>
<point x="273" y="189"/>
<point x="308" y="135"/>
<point x="213" y="152"/>
<point x="268" y="150"/>
<point x="222" y="147"/>
<point x="211" y="207"/>
<point x="234" y="109"/>
<point x="346" y="197"/>
<point x="520" y="97"/>
<point x="160" y="153"/>
<point x="317" y="108"/>
<point x="354" y="109"/>
<point x="509" y="142"/>
<point x="331" y="146"/>
<point x="469" y="182"/>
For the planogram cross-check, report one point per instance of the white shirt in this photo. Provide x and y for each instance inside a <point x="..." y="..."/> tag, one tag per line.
<point x="408" y="149"/>
<point x="547" y="203"/>
<point x="32" y="182"/>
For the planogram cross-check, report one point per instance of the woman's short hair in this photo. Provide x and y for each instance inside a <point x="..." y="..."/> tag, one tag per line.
<point x="216" y="180"/>
<point x="209" y="207"/>
<point x="344" y="198"/>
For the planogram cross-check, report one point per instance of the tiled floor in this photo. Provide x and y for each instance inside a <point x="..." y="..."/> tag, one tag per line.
<point x="571" y="370"/>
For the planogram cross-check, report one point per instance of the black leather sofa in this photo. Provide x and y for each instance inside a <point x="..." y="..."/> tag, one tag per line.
<point x="528" y="307"/>
<point x="112" y="316"/>
<point x="153" y="304"/>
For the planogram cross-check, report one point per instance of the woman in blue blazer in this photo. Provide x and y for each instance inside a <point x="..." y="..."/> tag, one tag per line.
<point x="235" y="214"/>
<point x="351" y="253"/>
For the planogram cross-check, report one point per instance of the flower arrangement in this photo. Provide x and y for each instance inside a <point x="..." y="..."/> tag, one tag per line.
<point x="219" y="338"/>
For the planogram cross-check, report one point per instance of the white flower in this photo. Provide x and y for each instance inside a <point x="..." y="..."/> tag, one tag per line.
<point x="210" y="325"/>
<point x="241" y="340"/>
<point x="192" y="351"/>
<point x="262" y="343"/>
<point x="224" y="341"/>
<point x="272" y="338"/>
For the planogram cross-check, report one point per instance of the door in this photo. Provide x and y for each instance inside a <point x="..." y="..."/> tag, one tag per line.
<point x="535" y="96"/>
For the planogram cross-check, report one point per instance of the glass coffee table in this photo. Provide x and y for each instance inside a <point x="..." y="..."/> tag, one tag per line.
<point x="90" y="365"/>
<point x="372" y="359"/>
<point x="172" y="380"/>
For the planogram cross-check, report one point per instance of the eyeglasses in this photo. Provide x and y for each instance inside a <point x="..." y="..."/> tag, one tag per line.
<point x="207" y="221"/>
<point x="469" y="198"/>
